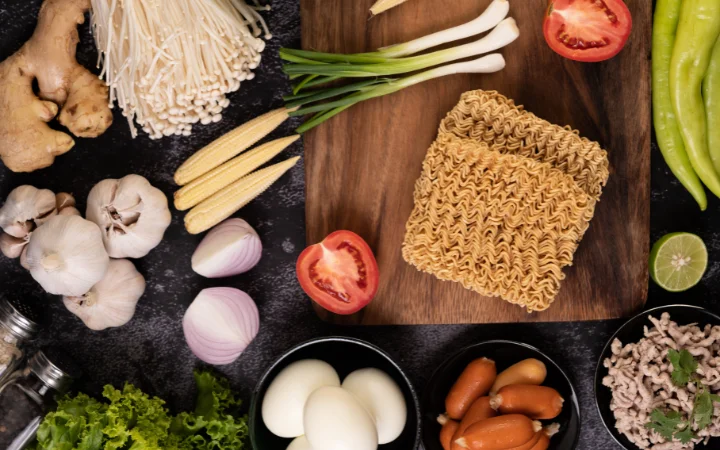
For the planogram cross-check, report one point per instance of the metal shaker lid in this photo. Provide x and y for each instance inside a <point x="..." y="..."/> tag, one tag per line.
<point x="54" y="368"/>
<point x="21" y="318"/>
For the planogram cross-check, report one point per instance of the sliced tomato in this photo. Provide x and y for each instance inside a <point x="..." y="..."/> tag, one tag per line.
<point x="340" y="273"/>
<point x="587" y="30"/>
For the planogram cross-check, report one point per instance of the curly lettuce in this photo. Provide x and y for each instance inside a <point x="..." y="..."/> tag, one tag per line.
<point x="214" y="424"/>
<point x="129" y="419"/>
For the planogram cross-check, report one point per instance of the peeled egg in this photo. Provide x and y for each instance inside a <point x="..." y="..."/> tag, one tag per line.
<point x="383" y="399"/>
<point x="282" y="407"/>
<point x="335" y="420"/>
<point x="300" y="443"/>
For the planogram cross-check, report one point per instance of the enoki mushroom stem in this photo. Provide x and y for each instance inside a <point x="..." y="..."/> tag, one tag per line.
<point x="169" y="65"/>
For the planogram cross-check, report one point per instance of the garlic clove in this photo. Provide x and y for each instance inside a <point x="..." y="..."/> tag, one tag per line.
<point x="69" y="211"/>
<point x="25" y="209"/>
<point x="66" y="255"/>
<point x="231" y="248"/>
<point x="11" y="246"/>
<point x="64" y="200"/>
<point x="132" y="214"/>
<point x="111" y="302"/>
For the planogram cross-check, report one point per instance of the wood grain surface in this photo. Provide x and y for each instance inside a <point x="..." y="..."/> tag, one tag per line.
<point x="361" y="165"/>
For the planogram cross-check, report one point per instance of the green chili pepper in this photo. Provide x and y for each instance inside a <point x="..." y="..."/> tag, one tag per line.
<point x="711" y="95"/>
<point x="670" y="141"/>
<point x="697" y="32"/>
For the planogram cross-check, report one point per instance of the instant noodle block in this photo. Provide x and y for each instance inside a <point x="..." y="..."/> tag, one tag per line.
<point x="503" y="201"/>
<point x="500" y="223"/>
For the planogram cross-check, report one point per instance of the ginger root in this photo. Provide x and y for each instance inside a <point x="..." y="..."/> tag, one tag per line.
<point x="27" y="143"/>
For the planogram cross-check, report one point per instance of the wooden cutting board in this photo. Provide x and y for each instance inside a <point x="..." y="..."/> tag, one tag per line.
<point x="361" y="165"/>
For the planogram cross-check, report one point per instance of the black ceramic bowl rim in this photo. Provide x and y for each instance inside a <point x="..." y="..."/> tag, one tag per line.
<point x="575" y="402"/>
<point x="375" y="348"/>
<point x="600" y="365"/>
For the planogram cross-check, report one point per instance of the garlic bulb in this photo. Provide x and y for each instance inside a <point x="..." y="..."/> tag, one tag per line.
<point x="231" y="248"/>
<point x="132" y="214"/>
<point x="66" y="255"/>
<point x="25" y="209"/>
<point x="111" y="302"/>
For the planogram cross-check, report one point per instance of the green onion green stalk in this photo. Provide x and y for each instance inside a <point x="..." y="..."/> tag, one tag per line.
<point x="487" y="64"/>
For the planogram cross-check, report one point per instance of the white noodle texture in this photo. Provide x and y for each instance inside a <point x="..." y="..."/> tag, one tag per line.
<point x="639" y="375"/>
<point x="170" y="63"/>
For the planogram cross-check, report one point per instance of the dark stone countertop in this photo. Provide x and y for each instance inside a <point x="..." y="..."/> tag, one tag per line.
<point x="151" y="352"/>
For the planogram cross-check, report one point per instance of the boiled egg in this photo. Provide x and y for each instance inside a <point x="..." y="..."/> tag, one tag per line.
<point x="383" y="399"/>
<point x="300" y="443"/>
<point x="335" y="420"/>
<point x="284" y="401"/>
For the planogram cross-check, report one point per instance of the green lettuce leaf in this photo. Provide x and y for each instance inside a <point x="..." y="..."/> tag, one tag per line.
<point x="73" y="425"/>
<point x="135" y="421"/>
<point x="129" y="419"/>
<point x="214" y="425"/>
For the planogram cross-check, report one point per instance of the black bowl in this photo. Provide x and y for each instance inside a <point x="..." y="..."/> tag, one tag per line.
<point x="505" y="354"/>
<point x="632" y="331"/>
<point x="345" y="355"/>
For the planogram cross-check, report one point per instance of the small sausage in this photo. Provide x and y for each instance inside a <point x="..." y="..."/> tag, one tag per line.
<point x="528" y="371"/>
<point x="448" y="430"/>
<point x="499" y="433"/>
<point x="543" y="443"/>
<point x="531" y="443"/>
<point x="474" y="382"/>
<point x="479" y="410"/>
<point x="536" y="402"/>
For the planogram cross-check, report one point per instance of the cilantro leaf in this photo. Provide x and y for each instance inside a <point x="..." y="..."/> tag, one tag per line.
<point x="666" y="424"/>
<point x="685" y="436"/>
<point x="684" y="366"/>
<point x="703" y="409"/>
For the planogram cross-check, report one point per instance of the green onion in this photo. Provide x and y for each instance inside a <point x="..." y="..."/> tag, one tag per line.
<point x="503" y="34"/>
<point x="302" y="99"/>
<point x="492" y="16"/>
<point x="487" y="64"/>
<point x="318" y="68"/>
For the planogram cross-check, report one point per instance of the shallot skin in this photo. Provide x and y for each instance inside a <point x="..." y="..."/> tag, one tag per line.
<point x="231" y="248"/>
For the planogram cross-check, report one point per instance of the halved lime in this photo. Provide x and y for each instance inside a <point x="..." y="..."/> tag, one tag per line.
<point x="678" y="261"/>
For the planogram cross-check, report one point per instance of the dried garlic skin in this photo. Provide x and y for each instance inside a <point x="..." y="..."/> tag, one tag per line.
<point x="111" y="302"/>
<point x="131" y="213"/>
<point x="66" y="255"/>
<point x="25" y="209"/>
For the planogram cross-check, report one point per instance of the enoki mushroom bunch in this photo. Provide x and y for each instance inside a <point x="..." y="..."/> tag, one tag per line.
<point x="639" y="375"/>
<point x="170" y="64"/>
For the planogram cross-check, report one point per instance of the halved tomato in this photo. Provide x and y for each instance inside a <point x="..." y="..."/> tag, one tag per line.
<point x="340" y="273"/>
<point x="587" y="30"/>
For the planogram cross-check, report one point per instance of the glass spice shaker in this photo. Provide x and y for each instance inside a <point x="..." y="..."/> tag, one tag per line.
<point x="18" y="325"/>
<point x="28" y="393"/>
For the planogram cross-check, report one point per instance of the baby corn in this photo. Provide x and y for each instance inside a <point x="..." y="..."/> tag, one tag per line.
<point x="383" y="5"/>
<point x="220" y="177"/>
<point x="225" y="203"/>
<point x="229" y="145"/>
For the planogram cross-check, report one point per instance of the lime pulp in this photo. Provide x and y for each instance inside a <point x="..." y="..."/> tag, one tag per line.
<point x="678" y="261"/>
